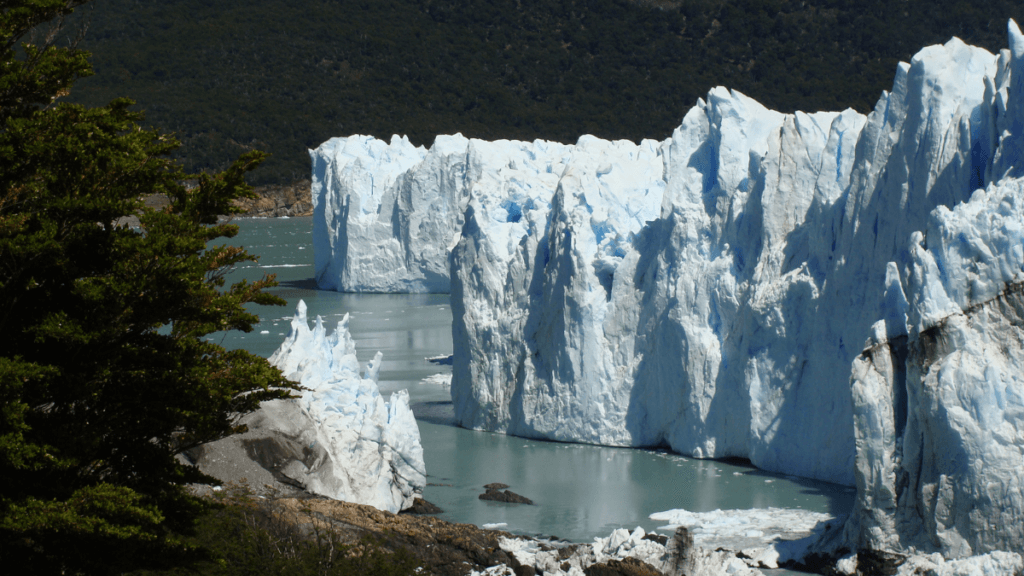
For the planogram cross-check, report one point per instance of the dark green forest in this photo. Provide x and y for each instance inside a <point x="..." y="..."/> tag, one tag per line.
<point x="284" y="75"/>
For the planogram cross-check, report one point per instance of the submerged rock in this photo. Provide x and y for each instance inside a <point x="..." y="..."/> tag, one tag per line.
<point x="421" y="506"/>
<point x="506" y="496"/>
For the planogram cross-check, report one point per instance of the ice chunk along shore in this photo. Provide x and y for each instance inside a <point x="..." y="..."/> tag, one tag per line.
<point x="357" y="446"/>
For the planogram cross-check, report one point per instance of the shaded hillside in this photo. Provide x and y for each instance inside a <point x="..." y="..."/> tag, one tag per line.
<point x="284" y="76"/>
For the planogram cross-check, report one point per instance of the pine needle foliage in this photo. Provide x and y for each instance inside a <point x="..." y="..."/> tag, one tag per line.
<point x="284" y="76"/>
<point x="106" y="368"/>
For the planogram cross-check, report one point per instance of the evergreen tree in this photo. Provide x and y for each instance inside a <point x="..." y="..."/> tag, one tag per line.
<point x="105" y="369"/>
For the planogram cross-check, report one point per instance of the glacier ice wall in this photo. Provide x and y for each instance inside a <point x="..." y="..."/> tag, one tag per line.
<point x="366" y="450"/>
<point x="938" y="391"/>
<point x="727" y="325"/>
<point x="940" y="411"/>
<point x="386" y="216"/>
<point x="511" y="280"/>
<point x="825" y="294"/>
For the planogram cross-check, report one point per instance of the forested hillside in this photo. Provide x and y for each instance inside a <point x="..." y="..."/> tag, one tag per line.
<point x="285" y="75"/>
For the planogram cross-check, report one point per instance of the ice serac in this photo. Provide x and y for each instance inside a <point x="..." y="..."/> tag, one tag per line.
<point x="363" y="449"/>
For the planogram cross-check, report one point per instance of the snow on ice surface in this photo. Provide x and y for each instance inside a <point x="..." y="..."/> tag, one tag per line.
<point x="826" y="294"/>
<point x="767" y="537"/>
<point x="372" y="452"/>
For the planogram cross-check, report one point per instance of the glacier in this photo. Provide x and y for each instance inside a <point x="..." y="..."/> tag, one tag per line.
<point x="356" y="446"/>
<point x="831" y="295"/>
<point x="386" y="216"/>
<point x="939" y="409"/>
<point x="727" y="325"/>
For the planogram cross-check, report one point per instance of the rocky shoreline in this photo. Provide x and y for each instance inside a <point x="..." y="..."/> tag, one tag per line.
<point x="451" y="549"/>
<point x="720" y="543"/>
<point x="713" y="547"/>
<point x="702" y="545"/>
<point x="275" y="201"/>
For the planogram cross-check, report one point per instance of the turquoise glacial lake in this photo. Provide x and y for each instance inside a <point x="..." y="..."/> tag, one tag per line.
<point x="580" y="491"/>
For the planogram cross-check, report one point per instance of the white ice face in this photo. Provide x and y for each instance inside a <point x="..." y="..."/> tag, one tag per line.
<point x="761" y="285"/>
<point x="651" y="303"/>
<point x="386" y="216"/>
<point x="371" y="452"/>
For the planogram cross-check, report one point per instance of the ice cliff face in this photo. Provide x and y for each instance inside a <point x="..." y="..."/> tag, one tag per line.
<point x="386" y="216"/>
<point x="938" y="392"/>
<point x="606" y="191"/>
<point x="828" y="294"/>
<point x="362" y="449"/>
<point x="939" y="413"/>
<point x="614" y="326"/>
<point x="728" y="325"/>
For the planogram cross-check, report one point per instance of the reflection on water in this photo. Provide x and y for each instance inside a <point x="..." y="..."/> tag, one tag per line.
<point x="585" y="491"/>
<point x="580" y="491"/>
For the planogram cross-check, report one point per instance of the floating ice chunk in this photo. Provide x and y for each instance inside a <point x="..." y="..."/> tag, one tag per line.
<point x="444" y="380"/>
<point x="770" y="535"/>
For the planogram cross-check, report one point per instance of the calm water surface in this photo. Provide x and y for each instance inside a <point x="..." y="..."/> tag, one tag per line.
<point x="580" y="491"/>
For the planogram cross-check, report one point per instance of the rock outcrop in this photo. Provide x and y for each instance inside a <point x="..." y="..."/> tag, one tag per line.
<point x="275" y="201"/>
